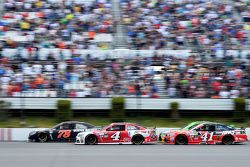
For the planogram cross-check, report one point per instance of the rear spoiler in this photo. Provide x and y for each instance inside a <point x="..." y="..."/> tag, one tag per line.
<point x="241" y="128"/>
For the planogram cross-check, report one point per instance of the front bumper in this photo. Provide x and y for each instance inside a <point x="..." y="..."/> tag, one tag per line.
<point x="79" y="140"/>
<point x="32" y="138"/>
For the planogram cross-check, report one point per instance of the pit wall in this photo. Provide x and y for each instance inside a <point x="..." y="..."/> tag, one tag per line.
<point x="21" y="134"/>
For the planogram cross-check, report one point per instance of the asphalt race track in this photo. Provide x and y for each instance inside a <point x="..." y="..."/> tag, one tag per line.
<point x="22" y="154"/>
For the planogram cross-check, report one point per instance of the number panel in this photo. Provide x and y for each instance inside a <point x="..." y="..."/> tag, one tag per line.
<point x="64" y="134"/>
<point x="116" y="136"/>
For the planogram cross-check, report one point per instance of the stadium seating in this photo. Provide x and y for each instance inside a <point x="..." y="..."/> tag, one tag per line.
<point x="64" y="24"/>
<point x="180" y="24"/>
<point x="175" y="48"/>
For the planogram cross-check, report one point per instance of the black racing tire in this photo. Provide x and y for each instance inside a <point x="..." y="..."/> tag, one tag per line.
<point x="91" y="139"/>
<point x="137" y="139"/>
<point x="42" y="137"/>
<point x="227" y="140"/>
<point x="181" y="140"/>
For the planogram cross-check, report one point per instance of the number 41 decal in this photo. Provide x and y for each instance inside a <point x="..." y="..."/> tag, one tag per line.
<point x="207" y="136"/>
<point x="116" y="136"/>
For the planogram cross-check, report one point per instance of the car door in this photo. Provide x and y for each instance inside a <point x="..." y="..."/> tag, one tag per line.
<point x="132" y="129"/>
<point x="116" y="133"/>
<point x="206" y="133"/>
<point x="220" y="131"/>
<point x="63" y="132"/>
<point x="78" y="127"/>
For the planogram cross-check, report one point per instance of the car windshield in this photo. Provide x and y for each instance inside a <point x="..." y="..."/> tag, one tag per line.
<point x="56" y="126"/>
<point x="190" y="126"/>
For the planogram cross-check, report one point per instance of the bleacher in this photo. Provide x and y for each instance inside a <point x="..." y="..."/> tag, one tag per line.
<point x="78" y="48"/>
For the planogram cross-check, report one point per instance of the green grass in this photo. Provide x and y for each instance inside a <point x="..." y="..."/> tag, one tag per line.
<point x="101" y="121"/>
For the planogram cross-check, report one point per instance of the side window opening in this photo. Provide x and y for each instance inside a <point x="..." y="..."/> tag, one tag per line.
<point x="207" y="127"/>
<point x="116" y="128"/>
<point x="80" y="126"/>
<point x="131" y="127"/>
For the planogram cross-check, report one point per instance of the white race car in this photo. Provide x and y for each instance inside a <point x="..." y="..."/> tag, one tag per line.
<point x="118" y="133"/>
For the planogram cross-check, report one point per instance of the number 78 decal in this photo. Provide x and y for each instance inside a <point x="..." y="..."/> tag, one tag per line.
<point x="116" y="136"/>
<point x="64" y="134"/>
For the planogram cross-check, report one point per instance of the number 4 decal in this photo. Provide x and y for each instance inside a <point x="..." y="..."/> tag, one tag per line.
<point x="116" y="136"/>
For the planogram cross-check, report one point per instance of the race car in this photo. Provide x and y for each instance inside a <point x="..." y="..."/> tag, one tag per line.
<point x="203" y="132"/>
<point x="63" y="132"/>
<point x="118" y="133"/>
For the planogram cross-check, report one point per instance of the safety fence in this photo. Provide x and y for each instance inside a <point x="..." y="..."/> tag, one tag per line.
<point x="130" y="103"/>
<point x="65" y="54"/>
<point x="22" y="134"/>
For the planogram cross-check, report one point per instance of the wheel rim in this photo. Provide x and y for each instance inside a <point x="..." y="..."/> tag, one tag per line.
<point x="137" y="140"/>
<point x="91" y="140"/>
<point x="227" y="140"/>
<point x="42" y="137"/>
<point x="181" y="140"/>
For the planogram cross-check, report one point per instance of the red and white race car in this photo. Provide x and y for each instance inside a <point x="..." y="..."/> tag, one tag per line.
<point x="202" y="132"/>
<point x="118" y="133"/>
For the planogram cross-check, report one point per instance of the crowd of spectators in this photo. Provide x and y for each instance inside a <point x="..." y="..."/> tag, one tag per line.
<point x="128" y="78"/>
<point x="63" y="24"/>
<point x="158" y="24"/>
<point x="243" y="8"/>
<point x="49" y="38"/>
<point x="196" y="78"/>
<point x="191" y="77"/>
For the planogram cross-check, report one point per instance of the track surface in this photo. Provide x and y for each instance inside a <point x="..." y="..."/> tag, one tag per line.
<point x="21" y="154"/>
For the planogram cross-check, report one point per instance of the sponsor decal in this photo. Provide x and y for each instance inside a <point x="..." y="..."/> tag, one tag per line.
<point x="153" y="137"/>
<point x="78" y="130"/>
<point x="228" y="132"/>
<point x="193" y="135"/>
<point x="126" y="139"/>
<point x="103" y="135"/>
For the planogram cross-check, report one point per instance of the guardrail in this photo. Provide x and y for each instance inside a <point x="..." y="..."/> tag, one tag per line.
<point x="66" y="54"/>
<point x="99" y="54"/>
<point x="21" y="134"/>
<point x="131" y="103"/>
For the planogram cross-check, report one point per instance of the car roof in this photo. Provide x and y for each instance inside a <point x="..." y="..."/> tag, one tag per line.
<point x="208" y="122"/>
<point x="123" y="123"/>
<point x="75" y="122"/>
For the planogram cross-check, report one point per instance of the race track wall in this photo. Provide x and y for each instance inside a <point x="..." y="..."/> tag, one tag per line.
<point x="130" y="104"/>
<point x="21" y="134"/>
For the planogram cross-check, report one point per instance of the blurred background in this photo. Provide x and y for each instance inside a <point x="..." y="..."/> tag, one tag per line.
<point x="156" y="62"/>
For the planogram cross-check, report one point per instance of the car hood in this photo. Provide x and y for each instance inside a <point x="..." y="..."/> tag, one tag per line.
<point x="38" y="130"/>
<point x="88" y="130"/>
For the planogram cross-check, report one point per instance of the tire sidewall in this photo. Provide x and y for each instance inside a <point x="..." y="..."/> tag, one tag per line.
<point x="181" y="143"/>
<point x="45" y="139"/>
<point x="231" y="140"/>
<point x="137" y="136"/>
<point x="88" y="142"/>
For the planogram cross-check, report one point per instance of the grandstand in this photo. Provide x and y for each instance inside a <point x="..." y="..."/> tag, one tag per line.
<point x="130" y="48"/>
